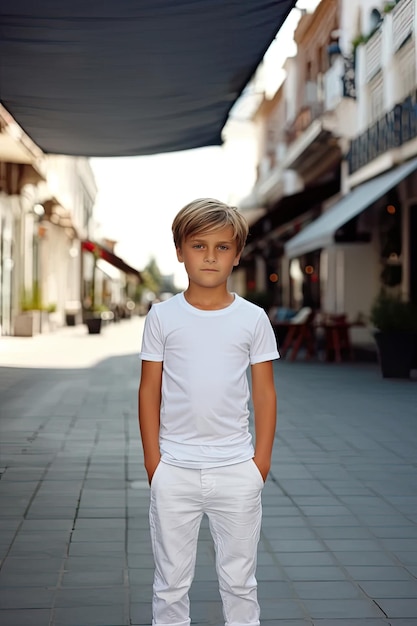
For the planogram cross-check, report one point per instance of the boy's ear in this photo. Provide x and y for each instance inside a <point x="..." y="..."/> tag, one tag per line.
<point x="179" y="255"/>
<point x="237" y="259"/>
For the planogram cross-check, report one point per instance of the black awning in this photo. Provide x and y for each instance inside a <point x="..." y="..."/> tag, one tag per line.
<point x="102" y="252"/>
<point x="130" y="77"/>
<point x="288" y="209"/>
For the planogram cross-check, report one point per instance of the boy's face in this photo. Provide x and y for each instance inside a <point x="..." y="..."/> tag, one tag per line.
<point x="209" y="257"/>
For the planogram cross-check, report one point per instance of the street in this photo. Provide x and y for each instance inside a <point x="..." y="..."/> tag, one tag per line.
<point x="339" y="539"/>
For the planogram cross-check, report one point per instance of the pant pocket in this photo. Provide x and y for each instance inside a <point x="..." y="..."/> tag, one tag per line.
<point x="255" y="469"/>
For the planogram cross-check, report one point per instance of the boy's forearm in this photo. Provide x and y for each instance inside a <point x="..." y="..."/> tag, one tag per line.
<point x="264" y="399"/>
<point x="264" y="441"/>
<point x="265" y="411"/>
<point x="149" y="430"/>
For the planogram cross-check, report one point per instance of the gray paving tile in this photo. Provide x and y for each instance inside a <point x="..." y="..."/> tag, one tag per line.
<point x="91" y="596"/>
<point x="365" y="572"/>
<point x="96" y="548"/>
<point x="353" y="622"/>
<point x="404" y="608"/>
<point x="365" y="558"/>
<point x="391" y="532"/>
<point x="31" y="565"/>
<point x="100" y="512"/>
<point x="95" y="563"/>
<point x="336" y="510"/>
<point x="22" y="617"/>
<point x="275" y="590"/>
<point x="305" y="558"/>
<point x="26" y="598"/>
<point x="325" y="590"/>
<point x="139" y="577"/>
<point x="390" y="589"/>
<point x="272" y="527"/>
<point x="408" y="558"/>
<point x="23" y="579"/>
<point x="338" y="609"/>
<point x="288" y="622"/>
<point x="91" y="616"/>
<point x="285" y="609"/>
<point x="334" y="520"/>
<point x="45" y="550"/>
<point x="80" y="535"/>
<point x="352" y="545"/>
<point x="412" y="569"/>
<point x="398" y="544"/>
<point x="206" y="612"/>
<point x="343" y="532"/>
<point x="101" y="523"/>
<point x="269" y="572"/>
<point x="315" y="573"/>
<point x="296" y="545"/>
<point x="140" y="614"/>
<point x="291" y="532"/>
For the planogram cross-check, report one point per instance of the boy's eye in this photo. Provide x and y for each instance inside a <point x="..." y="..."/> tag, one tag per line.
<point x="223" y="247"/>
<point x="198" y="246"/>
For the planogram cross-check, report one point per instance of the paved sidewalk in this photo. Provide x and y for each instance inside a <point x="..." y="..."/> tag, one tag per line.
<point x="339" y="539"/>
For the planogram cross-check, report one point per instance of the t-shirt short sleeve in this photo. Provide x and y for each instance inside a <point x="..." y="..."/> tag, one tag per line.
<point x="264" y="346"/>
<point x="152" y="340"/>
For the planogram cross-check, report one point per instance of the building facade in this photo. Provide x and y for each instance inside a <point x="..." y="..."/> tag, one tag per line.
<point x="351" y="120"/>
<point x="46" y="216"/>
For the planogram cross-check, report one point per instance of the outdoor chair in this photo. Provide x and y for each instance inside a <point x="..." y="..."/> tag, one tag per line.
<point x="300" y="333"/>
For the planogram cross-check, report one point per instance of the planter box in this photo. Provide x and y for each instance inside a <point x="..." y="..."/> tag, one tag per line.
<point x="396" y="353"/>
<point x="27" y="324"/>
<point x="93" y="325"/>
<point x="71" y="319"/>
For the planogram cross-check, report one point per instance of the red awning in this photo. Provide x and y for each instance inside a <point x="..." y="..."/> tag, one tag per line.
<point x="104" y="253"/>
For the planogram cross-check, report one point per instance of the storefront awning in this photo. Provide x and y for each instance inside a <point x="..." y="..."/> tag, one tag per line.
<point x="101" y="252"/>
<point x="130" y="77"/>
<point x="108" y="269"/>
<point x="288" y="209"/>
<point x="321" y="232"/>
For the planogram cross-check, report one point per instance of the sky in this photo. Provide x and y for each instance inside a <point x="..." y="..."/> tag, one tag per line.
<point x="138" y="197"/>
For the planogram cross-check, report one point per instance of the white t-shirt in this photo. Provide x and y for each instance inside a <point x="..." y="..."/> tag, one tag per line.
<point x="204" y="414"/>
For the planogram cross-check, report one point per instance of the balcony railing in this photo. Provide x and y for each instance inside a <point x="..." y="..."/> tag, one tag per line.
<point x="305" y="117"/>
<point x="391" y="131"/>
<point x="402" y="22"/>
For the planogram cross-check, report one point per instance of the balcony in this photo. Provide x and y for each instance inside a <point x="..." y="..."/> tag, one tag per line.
<point x="303" y="121"/>
<point x="312" y="146"/>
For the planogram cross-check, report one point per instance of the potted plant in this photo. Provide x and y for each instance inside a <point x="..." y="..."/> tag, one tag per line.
<point x="51" y="311"/>
<point x="92" y="312"/>
<point x="395" y="323"/>
<point x="93" y="318"/>
<point x="28" y="323"/>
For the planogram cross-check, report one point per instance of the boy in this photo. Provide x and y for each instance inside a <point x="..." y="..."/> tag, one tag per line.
<point x="193" y="418"/>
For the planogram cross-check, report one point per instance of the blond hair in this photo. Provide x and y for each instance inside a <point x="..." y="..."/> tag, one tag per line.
<point x="206" y="215"/>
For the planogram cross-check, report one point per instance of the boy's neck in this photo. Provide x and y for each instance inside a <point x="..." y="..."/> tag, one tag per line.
<point x="208" y="299"/>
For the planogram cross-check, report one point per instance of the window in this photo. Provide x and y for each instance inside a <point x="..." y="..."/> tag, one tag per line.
<point x="405" y="64"/>
<point x="376" y="99"/>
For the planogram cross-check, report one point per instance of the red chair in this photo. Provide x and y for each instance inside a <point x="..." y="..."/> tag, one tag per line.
<point x="337" y="337"/>
<point x="300" y="332"/>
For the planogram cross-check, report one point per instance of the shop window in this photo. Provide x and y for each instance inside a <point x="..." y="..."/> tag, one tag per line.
<point x="391" y="241"/>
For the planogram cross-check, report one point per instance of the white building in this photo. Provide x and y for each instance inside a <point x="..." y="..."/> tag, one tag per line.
<point x="346" y="113"/>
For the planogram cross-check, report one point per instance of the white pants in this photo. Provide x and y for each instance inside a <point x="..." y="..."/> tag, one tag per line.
<point x="231" y="498"/>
